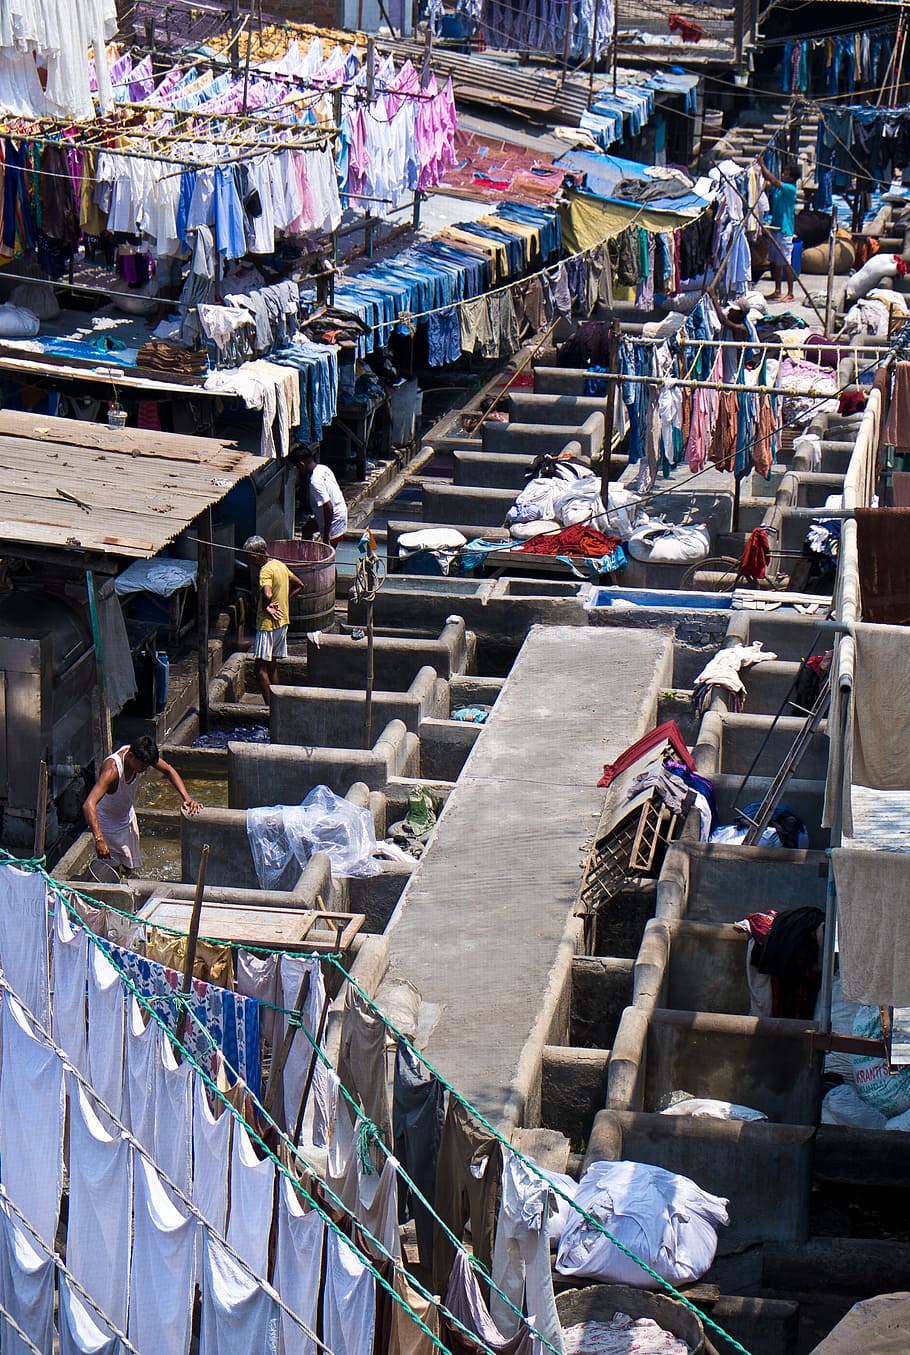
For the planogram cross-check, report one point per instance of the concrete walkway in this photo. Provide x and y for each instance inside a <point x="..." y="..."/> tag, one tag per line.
<point x="481" y="928"/>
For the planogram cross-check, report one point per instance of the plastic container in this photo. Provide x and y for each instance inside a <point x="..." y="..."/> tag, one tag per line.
<point x="162" y="674"/>
<point x="313" y="562"/>
<point x="797" y="256"/>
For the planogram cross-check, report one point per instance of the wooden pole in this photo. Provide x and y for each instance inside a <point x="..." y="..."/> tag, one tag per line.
<point x="829" y="289"/>
<point x="271" y="1103"/>
<point x="368" y="704"/>
<point x="609" y="414"/>
<point x="597" y="7"/>
<point x="41" y="812"/>
<point x="192" y="940"/>
<point x="568" y="39"/>
<point x="203" y="570"/>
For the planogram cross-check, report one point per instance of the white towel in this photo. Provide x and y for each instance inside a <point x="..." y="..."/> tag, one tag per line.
<point x="23" y="938"/>
<point x="238" y="1314"/>
<point x="26" y="1287"/>
<point x="99" y="1228"/>
<point x="298" y="1267"/>
<point x="163" y="1268"/>
<point x="31" y="1122"/>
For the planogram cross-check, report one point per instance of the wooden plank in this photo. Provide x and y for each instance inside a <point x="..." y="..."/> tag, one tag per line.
<point x="45" y="366"/>
<point x="240" y="924"/>
<point x="79" y="432"/>
<point x="113" y="475"/>
<point x="32" y="451"/>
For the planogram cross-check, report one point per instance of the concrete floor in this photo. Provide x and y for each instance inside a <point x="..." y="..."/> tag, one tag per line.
<point x="480" y="925"/>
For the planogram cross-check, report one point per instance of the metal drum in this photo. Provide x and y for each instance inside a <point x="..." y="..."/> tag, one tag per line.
<point x="314" y="565"/>
<point x="598" y="1303"/>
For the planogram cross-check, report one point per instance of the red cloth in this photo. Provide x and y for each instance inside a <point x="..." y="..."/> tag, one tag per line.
<point x="688" y="31"/>
<point x="147" y="415"/>
<point x="668" y="732"/>
<point x="851" y="402"/>
<point x="578" y="540"/>
<point x="757" y="555"/>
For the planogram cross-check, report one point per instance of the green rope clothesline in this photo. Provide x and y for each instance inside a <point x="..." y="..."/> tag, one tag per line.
<point x="368" y="1130"/>
<point x="61" y="891"/>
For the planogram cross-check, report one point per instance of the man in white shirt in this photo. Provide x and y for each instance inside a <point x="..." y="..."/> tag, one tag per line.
<point x="328" y="510"/>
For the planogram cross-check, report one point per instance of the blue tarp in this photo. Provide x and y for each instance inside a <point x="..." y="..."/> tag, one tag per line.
<point x="603" y="172"/>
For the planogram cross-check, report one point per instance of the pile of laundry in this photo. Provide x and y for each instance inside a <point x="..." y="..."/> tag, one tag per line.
<point x="681" y="789"/>
<point x="724" y="671"/>
<point x="562" y="492"/>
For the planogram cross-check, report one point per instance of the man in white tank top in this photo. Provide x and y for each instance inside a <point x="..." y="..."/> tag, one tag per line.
<point x="110" y="805"/>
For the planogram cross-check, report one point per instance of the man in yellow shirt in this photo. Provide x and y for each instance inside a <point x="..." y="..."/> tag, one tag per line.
<point x="277" y="585"/>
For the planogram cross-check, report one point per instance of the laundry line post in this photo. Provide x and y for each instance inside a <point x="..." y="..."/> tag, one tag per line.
<point x="609" y="414"/>
<point x="829" y="290"/>
<point x="41" y="812"/>
<point x="192" y="941"/>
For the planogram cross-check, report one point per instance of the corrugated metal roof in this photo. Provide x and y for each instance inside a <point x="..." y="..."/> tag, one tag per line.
<point x="140" y="488"/>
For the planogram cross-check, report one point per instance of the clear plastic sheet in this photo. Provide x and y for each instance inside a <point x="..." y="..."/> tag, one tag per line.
<point x="282" y="834"/>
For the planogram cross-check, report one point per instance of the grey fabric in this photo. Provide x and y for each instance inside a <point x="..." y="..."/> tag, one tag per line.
<point x="418" y="1114"/>
<point x="361" y="1061"/>
<point x="873" y="930"/>
<point x="118" y="661"/>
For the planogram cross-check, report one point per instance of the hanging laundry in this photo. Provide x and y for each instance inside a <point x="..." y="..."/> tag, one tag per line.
<point x="348" y="1299"/>
<point x="362" y="1061"/>
<point x="70" y="965"/>
<point x="23" y="938"/>
<point x="26" y="1286"/>
<point x="163" y="1267"/>
<point x="211" y="1155"/>
<point x="32" y="1106"/>
<point x="298" y="1267"/>
<point x="418" y="1115"/>
<point x="468" y="1182"/>
<point x="100" y="1208"/>
<point x="79" y="1327"/>
<point x="521" y="1255"/>
<point x="252" y="1188"/>
<point x="237" y="1312"/>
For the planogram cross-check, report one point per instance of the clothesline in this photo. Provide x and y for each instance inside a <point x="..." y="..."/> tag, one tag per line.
<point x="138" y="1148"/>
<point x="61" y="890"/>
<point x="272" y="1125"/>
<point x="678" y="383"/>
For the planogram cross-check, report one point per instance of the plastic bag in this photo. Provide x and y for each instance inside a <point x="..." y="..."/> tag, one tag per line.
<point x="706" y="1108"/>
<point x="323" y="822"/>
<point x="844" y="1105"/>
<point x="666" y="1220"/>
<point x="886" y="1091"/>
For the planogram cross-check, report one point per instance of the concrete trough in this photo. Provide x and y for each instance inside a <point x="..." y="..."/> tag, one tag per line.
<point x="734" y="1159"/>
<point x="490" y="470"/>
<point x="533" y="439"/>
<point x="740" y="743"/>
<point x="763" y="1063"/>
<point x="465" y="503"/>
<point x="269" y="774"/>
<point x="341" y="661"/>
<point x="718" y="883"/>
<point x="561" y="380"/>
<point x="692" y="967"/>
<point x="329" y="717"/>
<point x="564" y="409"/>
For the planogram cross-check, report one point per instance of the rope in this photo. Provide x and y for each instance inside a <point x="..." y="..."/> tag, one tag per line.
<point x="185" y="1200"/>
<point x="14" y="1325"/>
<point x="528" y="1162"/>
<point x="371" y="1129"/>
<point x="190" y="1058"/>
<point x="64" y="1270"/>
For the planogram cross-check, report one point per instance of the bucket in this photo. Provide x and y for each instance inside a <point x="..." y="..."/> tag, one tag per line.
<point x="104" y="872"/>
<point x="598" y="1303"/>
<point x="313" y="563"/>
